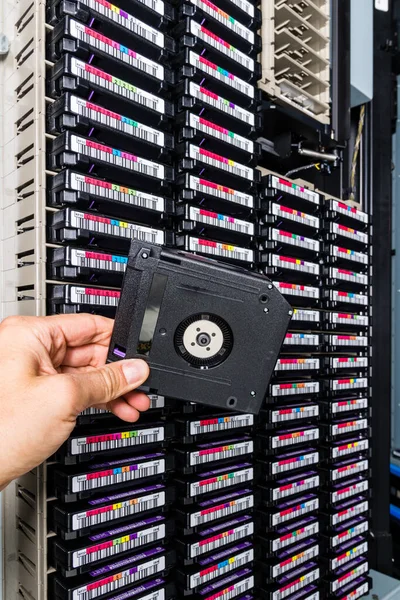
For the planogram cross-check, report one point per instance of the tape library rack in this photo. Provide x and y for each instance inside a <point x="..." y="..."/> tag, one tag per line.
<point x="152" y="118"/>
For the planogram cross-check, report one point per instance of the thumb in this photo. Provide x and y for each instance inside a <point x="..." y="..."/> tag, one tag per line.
<point x="109" y="382"/>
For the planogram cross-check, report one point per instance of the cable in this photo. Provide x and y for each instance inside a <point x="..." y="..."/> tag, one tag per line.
<point x="356" y="151"/>
<point x="316" y="165"/>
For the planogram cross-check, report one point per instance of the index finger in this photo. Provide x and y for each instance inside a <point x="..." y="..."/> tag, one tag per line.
<point x="80" y="329"/>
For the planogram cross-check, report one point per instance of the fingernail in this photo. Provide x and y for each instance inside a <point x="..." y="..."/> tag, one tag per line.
<point x="135" y="370"/>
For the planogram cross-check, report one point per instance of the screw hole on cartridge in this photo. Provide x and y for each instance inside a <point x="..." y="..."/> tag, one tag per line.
<point x="163" y="331"/>
<point x="231" y="402"/>
<point x="264" y="298"/>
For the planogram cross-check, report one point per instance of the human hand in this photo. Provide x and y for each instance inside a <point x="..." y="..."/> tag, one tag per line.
<point x="51" y="369"/>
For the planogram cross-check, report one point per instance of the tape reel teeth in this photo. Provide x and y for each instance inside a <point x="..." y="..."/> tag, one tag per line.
<point x="204" y="340"/>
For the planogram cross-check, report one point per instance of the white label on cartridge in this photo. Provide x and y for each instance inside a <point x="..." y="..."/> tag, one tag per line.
<point x="217" y="220"/>
<point x="221" y="453"/>
<point x="278" y="235"/>
<point x="347" y="405"/>
<point x="121" y="474"/>
<point x="115" y="49"/>
<point x="293" y="289"/>
<point x="295" y="536"/>
<point x="219" y="249"/>
<point x="288" y="389"/>
<point x="348" y="297"/>
<point x="347" y="556"/>
<point x="295" y="561"/>
<point x="346" y="427"/>
<point x="98" y="260"/>
<point x="294" y="189"/>
<point x="116" y="86"/>
<point x="296" y="511"/>
<point x="348" y="340"/>
<point x="297" y="462"/>
<point x="211" y="424"/>
<point x="220" y="191"/>
<point x="350" y="448"/>
<point x="225" y="19"/>
<point x="301" y="339"/>
<point x="297" y="437"/>
<point x="348" y="319"/>
<point x="221" y="133"/>
<point x="221" y="74"/>
<point x="349" y="513"/>
<point x="220" y="482"/>
<point x="349" y="232"/>
<point x="295" y="264"/>
<point x="351" y="490"/>
<point x="221" y="510"/>
<point x="295" y="215"/>
<point x="350" y="533"/>
<point x="359" y="257"/>
<point x="300" y="314"/>
<point x="347" y="384"/>
<point x="221" y="45"/>
<point x="220" y="103"/>
<point x="99" y="297"/>
<point x="282" y="415"/>
<point x="351" y="469"/>
<point x="110" y="226"/>
<point x="234" y="534"/>
<point x="247" y="7"/>
<point x="384" y="6"/>
<point x="349" y="211"/>
<point x="115" y="440"/>
<point x="346" y="579"/>
<point x="297" y="585"/>
<point x="290" y="489"/>
<point x="223" y="567"/>
<point x="349" y="362"/>
<point x="118" y="510"/>
<point x="119" y="158"/>
<point x="297" y="364"/>
<point x="346" y="275"/>
<point x="220" y="162"/>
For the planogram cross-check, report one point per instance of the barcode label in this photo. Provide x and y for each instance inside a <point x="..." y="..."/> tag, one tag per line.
<point x="221" y="424"/>
<point x="284" y="491"/>
<point x="225" y="19"/>
<point x="220" y="103"/>
<point x="106" y="117"/>
<point x="220" y="482"/>
<point x="296" y="511"/>
<point x="115" y="192"/>
<point x="294" y="189"/>
<point x="119" y="158"/>
<point x="219" y="249"/>
<point x="295" y="561"/>
<point x="299" y="584"/>
<point x="349" y="362"/>
<point x="301" y="339"/>
<point x="295" y="264"/>
<point x="348" y="426"/>
<point x="298" y="462"/>
<point x="311" y="316"/>
<point x="349" y="534"/>
<point x="225" y="566"/>
<point x="221" y="45"/>
<point x="220" y="191"/>
<point x="349" y="232"/>
<point x="113" y="476"/>
<point x="350" y="491"/>
<point x="358" y="257"/>
<point x="350" y="448"/>
<point x="288" y="389"/>
<point x="297" y="437"/>
<point x="221" y="453"/>
<point x="118" y="545"/>
<point x="351" y="469"/>
<point x="349" y="211"/>
<point x="348" y="297"/>
<point x="98" y="260"/>
<point x="349" y="513"/>
<point x="347" y="405"/>
<point x="113" y="48"/>
<point x="118" y="510"/>
<point x="345" y="579"/>
<point x="295" y="536"/>
<point x="233" y="590"/>
<point x="98" y="297"/>
<point x="295" y="215"/>
<point x="126" y="20"/>
<point x="112" y="226"/>
<point x="348" y="319"/>
<point x="113" y="441"/>
<point x="221" y="74"/>
<point x="219" y="540"/>
<point x="116" y="86"/>
<point x="293" y="289"/>
<point x="155" y="402"/>
<point x="122" y="579"/>
<point x="345" y="275"/>
<point x="221" y="133"/>
<point x="220" y="162"/>
<point x="347" y="384"/>
<point x="297" y="364"/>
<point x="283" y="415"/>
<point x="293" y="239"/>
<point x="346" y="557"/>
<point x="221" y="510"/>
<point x="364" y="588"/>
<point x="217" y="220"/>
<point x="348" y="340"/>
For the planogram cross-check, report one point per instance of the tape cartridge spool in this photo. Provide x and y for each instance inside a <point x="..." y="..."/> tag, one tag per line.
<point x="211" y="333"/>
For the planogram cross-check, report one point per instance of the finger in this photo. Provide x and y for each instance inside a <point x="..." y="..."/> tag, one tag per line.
<point x="80" y="329"/>
<point x="138" y="400"/>
<point x="123" y="410"/>
<point x="94" y="355"/>
<point x="100" y="386"/>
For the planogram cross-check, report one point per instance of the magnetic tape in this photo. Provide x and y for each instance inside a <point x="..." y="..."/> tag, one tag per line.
<point x="213" y="451"/>
<point x="275" y="416"/>
<point x="215" y="225"/>
<point x="86" y="265"/>
<point x="287" y="487"/>
<point x="66" y="299"/>
<point x="215" y="481"/>
<point x="294" y="194"/>
<point x="211" y="427"/>
<point x="195" y="340"/>
<point x="293" y="508"/>
<point x="288" y="558"/>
